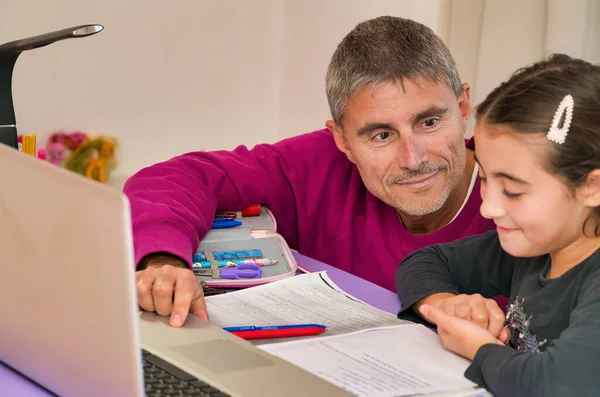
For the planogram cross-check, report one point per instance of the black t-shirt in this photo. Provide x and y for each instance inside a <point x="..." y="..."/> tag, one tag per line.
<point x="555" y="324"/>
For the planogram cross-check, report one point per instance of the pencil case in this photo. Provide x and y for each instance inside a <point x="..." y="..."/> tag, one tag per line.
<point x="255" y="238"/>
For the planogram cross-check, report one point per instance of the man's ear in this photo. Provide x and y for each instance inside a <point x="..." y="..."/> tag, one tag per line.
<point x="589" y="193"/>
<point x="464" y="103"/>
<point x="340" y="140"/>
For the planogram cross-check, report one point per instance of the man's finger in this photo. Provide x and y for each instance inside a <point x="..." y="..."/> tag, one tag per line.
<point x="162" y="293"/>
<point x="199" y="308"/>
<point x="479" y="313"/>
<point x="497" y="318"/>
<point x="144" y="283"/>
<point x="504" y="335"/>
<point x="448" y="306"/>
<point x="182" y="300"/>
<point x="463" y="311"/>
<point x="442" y="333"/>
<point x="436" y="316"/>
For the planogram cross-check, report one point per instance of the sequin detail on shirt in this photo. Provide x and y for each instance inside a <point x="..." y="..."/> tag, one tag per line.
<point x="518" y="323"/>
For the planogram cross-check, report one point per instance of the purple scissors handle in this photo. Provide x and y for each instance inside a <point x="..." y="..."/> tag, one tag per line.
<point x="246" y="270"/>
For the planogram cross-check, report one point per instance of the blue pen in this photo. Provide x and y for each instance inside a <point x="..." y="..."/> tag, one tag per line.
<point x="270" y="327"/>
<point x="225" y="224"/>
<point x="223" y="218"/>
<point x="276" y="331"/>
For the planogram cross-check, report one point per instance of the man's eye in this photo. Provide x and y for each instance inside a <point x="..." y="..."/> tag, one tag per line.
<point x="430" y="123"/>
<point x="382" y="136"/>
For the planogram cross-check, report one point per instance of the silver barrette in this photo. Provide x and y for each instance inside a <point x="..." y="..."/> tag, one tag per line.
<point x="558" y="135"/>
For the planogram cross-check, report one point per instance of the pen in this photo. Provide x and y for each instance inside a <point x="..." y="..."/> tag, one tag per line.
<point x="225" y="224"/>
<point x="276" y="331"/>
<point x="235" y="262"/>
<point x="232" y="215"/>
<point x="222" y="218"/>
<point x="253" y="210"/>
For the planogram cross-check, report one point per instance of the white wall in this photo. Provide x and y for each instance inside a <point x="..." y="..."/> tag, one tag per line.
<point x="166" y="77"/>
<point x="490" y="39"/>
<point x="312" y="29"/>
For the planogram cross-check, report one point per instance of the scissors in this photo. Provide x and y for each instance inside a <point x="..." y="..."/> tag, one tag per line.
<point x="247" y="270"/>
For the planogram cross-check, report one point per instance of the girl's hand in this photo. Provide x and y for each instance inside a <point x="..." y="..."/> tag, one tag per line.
<point x="475" y="308"/>
<point x="460" y="336"/>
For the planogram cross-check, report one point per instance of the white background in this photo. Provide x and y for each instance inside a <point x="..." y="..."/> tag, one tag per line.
<point x="171" y="76"/>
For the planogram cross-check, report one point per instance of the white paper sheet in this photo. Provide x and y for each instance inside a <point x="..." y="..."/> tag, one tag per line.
<point x="391" y="361"/>
<point x="306" y="298"/>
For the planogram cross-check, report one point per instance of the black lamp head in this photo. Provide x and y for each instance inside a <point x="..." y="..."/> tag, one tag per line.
<point x="42" y="40"/>
<point x="9" y="52"/>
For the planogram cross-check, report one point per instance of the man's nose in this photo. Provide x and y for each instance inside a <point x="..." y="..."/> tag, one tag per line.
<point x="412" y="154"/>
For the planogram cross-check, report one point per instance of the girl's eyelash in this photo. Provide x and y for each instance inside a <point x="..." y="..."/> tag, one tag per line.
<point x="508" y="194"/>
<point x="512" y="195"/>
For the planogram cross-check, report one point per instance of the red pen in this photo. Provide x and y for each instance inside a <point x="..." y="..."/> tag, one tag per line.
<point x="253" y="210"/>
<point x="276" y="331"/>
<point x="231" y="215"/>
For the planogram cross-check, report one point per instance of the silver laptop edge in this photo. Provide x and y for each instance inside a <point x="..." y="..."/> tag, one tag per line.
<point x="70" y="319"/>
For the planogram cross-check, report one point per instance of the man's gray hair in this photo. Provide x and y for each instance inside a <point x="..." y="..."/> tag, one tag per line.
<point x="382" y="50"/>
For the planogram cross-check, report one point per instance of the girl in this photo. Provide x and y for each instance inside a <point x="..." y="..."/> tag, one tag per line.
<point x="537" y="144"/>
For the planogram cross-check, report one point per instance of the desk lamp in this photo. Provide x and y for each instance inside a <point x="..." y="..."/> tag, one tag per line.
<point x="9" y="52"/>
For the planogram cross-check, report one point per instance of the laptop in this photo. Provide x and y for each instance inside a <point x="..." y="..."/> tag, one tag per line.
<point x="70" y="320"/>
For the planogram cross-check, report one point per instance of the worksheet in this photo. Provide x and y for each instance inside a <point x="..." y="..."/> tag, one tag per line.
<point x="306" y="298"/>
<point x="365" y="350"/>
<point x="402" y="360"/>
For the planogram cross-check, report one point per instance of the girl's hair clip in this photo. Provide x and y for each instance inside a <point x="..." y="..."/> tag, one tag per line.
<point x="558" y="135"/>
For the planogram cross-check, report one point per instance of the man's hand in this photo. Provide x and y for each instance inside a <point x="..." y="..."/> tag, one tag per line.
<point x="166" y="285"/>
<point x="460" y="336"/>
<point x="474" y="308"/>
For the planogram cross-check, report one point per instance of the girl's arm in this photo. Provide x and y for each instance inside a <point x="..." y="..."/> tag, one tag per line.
<point x="570" y="366"/>
<point x="476" y="264"/>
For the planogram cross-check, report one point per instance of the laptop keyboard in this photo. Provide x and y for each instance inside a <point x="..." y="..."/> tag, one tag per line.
<point x="163" y="379"/>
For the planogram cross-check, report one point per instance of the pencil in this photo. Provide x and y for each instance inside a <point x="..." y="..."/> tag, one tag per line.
<point x="33" y="147"/>
<point x="236" y="262"/>
<point x="28" y="145"/>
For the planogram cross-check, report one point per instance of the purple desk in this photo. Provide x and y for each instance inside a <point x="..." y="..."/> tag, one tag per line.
<point x="14" y="385"/>
<point x="364" y="290"/>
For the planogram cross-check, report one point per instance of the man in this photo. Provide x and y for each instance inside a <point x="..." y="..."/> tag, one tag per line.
<point x="389" y="175"/>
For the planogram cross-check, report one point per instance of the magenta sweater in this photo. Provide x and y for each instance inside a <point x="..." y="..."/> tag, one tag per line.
<point x="317" y="196"/>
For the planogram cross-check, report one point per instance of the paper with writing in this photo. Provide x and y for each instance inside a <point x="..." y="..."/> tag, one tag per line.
<point x="307" y="298"/>
<point x="364" y="350"/>
<point x="401" y="360"/>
